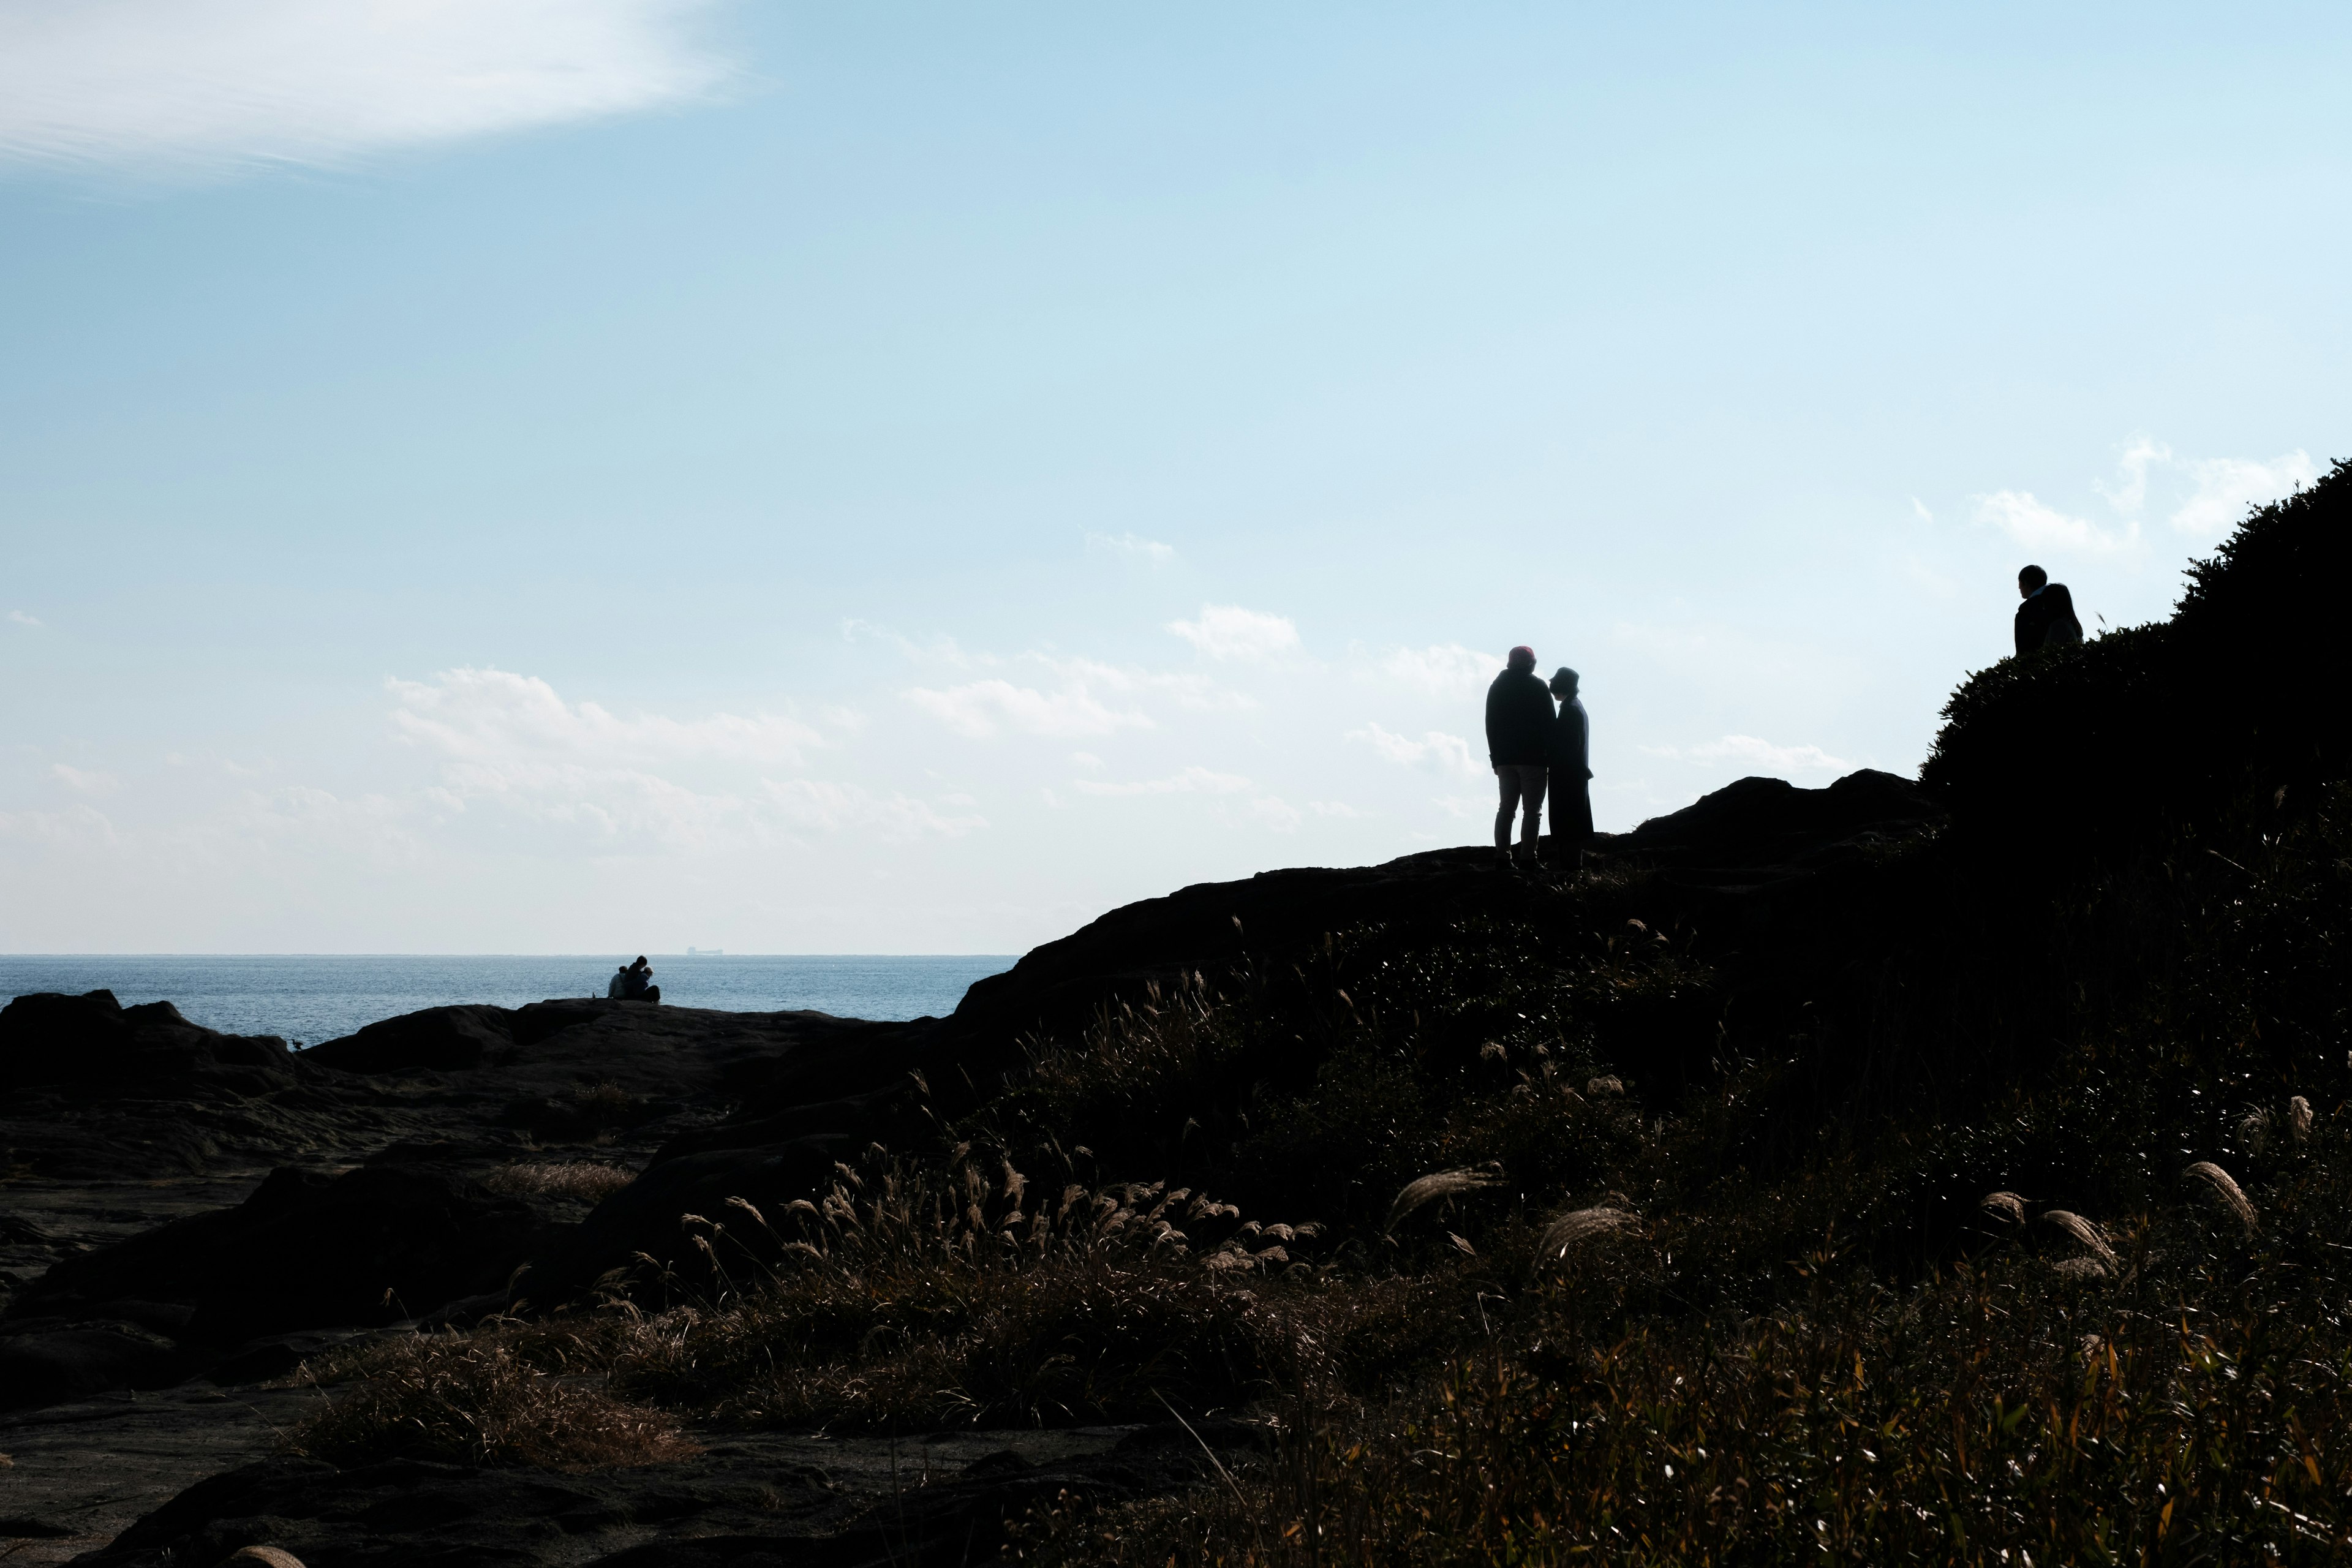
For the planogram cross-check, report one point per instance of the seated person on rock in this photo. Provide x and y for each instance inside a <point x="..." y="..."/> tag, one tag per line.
<point x="634" y="983"/>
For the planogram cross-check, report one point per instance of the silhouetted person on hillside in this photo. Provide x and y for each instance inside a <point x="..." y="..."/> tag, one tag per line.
<point x="2061" y="629"/>
<point x="1518" y="746"/>
<point x="2033" y="616"/>
<point x="2046" y="619"/>
<point x="1571" y="772"/>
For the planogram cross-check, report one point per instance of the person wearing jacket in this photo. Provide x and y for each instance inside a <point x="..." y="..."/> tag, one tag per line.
<point x="1571" y="772"/>
<point x="2046" y="619"/>
<point x="1519" y="748"/>
<point x="2033" y="623"/>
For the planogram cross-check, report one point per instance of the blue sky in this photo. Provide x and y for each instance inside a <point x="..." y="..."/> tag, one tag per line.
<point x="575" y="475"/>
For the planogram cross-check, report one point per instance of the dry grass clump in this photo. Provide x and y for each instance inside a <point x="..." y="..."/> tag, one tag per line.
<point x="907" y="1296"/>
<point x="1068" y="1341"/>
<point x="604" y="1104"/>
<point x="475" y="1399"/>
<point x="590" y="1181"/>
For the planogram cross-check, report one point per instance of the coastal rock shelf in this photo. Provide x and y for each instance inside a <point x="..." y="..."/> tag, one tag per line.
<point x="185" y="1216"/>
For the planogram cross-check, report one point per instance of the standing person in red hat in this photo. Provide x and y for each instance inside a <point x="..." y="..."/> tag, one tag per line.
<point x="1518" y="745"/>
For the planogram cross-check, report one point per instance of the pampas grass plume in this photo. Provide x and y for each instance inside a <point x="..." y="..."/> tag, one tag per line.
<point x="1576" y="1226"/>
<point x="2082" y="1230"/>
<point x="2214" y="1176"/>
<point x="2003" y="1206"/>
<point x="1438" y="1184"/>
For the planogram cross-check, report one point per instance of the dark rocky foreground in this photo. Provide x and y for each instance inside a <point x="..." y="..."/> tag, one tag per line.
<point x="184" y="1216"/>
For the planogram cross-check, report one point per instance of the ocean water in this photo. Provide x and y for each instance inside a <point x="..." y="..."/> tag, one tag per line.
<point x="312" y="998"/>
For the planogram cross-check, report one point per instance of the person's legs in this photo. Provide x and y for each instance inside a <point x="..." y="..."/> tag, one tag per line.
<point x="1506" y="777"/>
<point x="1532" y="792"/>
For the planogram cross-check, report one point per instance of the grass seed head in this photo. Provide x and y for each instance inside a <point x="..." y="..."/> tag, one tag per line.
<point x="2219" y="1180"/>
<point x="2006" y="1206"/>
<point x="2082" y="1231"/>
<point x="1578" y="1225"/>
<point x="1424" y="1190"/>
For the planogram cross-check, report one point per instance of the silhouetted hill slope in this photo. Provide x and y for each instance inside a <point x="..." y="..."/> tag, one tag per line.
<point x="2241" y="694"/>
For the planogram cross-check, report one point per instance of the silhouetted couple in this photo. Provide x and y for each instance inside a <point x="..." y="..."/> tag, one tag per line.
<point x="2046" y="619"/>
<point x="1534" y="746"/>
<point x="634" y="983"/>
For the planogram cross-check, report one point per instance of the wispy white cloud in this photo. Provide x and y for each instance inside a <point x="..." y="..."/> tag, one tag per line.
<point x="834" y="807"/>
<point x="1230" y="632"/>
<point x="79" y="826"/>
<point x="982" y="707"/>
<point x="1074" y="697"/>
<point x="302" y="821"/>
<point x="1440" y="669"/>
<point x="24" y="620"/>
<point x="1750" y="750"/>
<point x="497" y="714"/>
<point x="1132" y="547"/>
<point x="164" y="84"/>
<point x="2227" y="488"/>
<point x="2201" y="497"/>
<point x="2044" y="528"/>
<point x="1449" y="754"/>
<point x="1275" y="813"/>
<point x="1192" y="780"/>
<point x="1339" y="809"/>
<point x="90" y="782"/>
<point x="513" y="742"/>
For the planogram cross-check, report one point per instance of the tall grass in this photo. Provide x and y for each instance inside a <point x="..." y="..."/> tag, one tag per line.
<point x="2002" y="1412"/>
<point x="473" y="1400"/>
<point x="909" y="1295"/>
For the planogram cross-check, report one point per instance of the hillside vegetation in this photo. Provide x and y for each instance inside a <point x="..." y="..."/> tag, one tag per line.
<point x="1979" y="1196"/>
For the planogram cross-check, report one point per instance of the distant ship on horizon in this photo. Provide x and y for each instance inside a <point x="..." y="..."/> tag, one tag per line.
<point x="706" y="953"/>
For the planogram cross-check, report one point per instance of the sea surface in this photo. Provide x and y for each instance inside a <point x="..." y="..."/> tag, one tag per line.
<point x="309" y="997"/>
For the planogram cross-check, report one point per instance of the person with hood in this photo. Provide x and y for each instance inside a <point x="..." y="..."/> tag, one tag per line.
<point x="1519" y="748"/>
<point x="2060" y="629"/>
<point x="1571" y="772"/>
